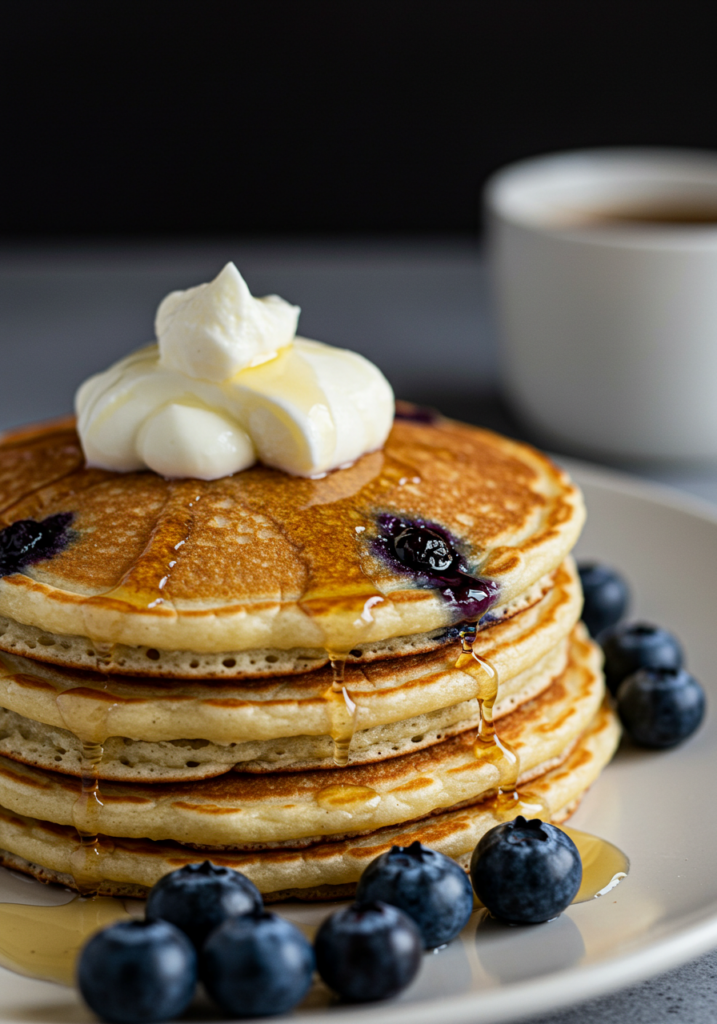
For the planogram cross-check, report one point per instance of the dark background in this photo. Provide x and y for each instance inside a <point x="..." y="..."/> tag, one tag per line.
<point x="294" y="116"/>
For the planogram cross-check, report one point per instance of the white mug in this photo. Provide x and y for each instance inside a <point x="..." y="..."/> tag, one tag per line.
<point x="607" y="313"/>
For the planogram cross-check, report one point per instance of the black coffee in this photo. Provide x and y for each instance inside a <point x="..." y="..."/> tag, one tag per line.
<point x="674" y="213"/>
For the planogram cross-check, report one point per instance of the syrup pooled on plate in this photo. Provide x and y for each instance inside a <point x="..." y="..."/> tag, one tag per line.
<point x="604" y="864"/>
<point x="44" y="942"/>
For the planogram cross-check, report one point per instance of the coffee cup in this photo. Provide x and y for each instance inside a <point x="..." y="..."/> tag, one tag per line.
<point x="604" y="265"/>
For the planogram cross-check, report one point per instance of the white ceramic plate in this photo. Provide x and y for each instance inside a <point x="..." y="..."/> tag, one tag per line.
<point x="657" y="807"/>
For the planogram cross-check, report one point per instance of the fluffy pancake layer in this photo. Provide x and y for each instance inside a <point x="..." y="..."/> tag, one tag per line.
<point x="262" y="560"/>
<point x="176" y="760"/>
<point x="522" y="650"/>
<point x="149" y="662"/>
<point x="242" y="810"/>
<point x="129" y="867"/>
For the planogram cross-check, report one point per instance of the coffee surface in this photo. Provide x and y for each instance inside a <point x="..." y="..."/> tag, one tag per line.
<point x="678" y="214"/>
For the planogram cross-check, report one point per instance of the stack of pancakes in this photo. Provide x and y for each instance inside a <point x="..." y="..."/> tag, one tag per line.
<point x="245" y="670"/>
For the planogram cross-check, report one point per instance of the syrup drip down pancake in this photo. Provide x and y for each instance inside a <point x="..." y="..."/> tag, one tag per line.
<point x="417" y="700"/>
<point x="239" y="810"/>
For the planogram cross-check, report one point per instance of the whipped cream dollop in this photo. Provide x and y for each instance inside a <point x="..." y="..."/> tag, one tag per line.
<point x="214" y="330"/>
<point x="228" y="383"/>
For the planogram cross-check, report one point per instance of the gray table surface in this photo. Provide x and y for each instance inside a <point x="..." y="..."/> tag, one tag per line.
<point x="419" y="309"/>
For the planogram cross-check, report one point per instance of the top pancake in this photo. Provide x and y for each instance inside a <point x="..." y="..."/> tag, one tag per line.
<point x="262" y="559"/>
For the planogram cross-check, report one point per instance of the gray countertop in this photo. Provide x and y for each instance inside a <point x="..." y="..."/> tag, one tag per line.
<point x="419" y="309"/>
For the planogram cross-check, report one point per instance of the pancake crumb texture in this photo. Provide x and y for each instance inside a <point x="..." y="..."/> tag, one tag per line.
<point x="148" y="662"/>
<point x="124" y="759"/>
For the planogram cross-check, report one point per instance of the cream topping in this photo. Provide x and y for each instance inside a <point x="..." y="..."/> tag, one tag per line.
<point x="214" y="330"/>
<point x="228" y="384"/>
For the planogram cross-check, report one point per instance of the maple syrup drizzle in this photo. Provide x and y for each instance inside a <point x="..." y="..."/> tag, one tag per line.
<point x="85" y="859"/>
<point x="508" y="802"/>
<point x="604" y="864"/>
<point x="43" y="942"/>
<point x="91" y="726"/>
<point x="342" y="709"/>
<point x="488" y="745"/>
<point x="103" y="653"/>
<point x="143" y="584"/>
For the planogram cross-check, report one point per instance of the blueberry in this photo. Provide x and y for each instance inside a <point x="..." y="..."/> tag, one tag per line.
<point x="634" y="645"/>
<point x="198" y="897"/>
<point x="257" y="965"/>
<point x="660" y="707"/>
<point x="526" y="872"/>
<point x="424" y="550"/>
<point x="606" y="597"/>
<point x="429" y="553"/>
<point x="27" y="541"/>
<point x="138" y="971"/>
<point x="368" y="951"/>
<point x="428" y="886"/>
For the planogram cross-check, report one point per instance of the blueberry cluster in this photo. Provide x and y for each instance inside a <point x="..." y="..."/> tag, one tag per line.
<point x="208" y="923"/>
<point x="659" y="702"/>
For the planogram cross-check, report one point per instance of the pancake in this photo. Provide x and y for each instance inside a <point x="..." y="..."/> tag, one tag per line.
<point x="243" y="810"/>
<point x="174" y="760"/>
<point x="262" y="560"/>
<point x="329" y="870"/>
<point x="96" y="707"/>
<point x="148" y="662"/>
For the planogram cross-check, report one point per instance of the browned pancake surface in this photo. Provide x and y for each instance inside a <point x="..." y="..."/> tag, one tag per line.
<point x="265" y="555"/>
